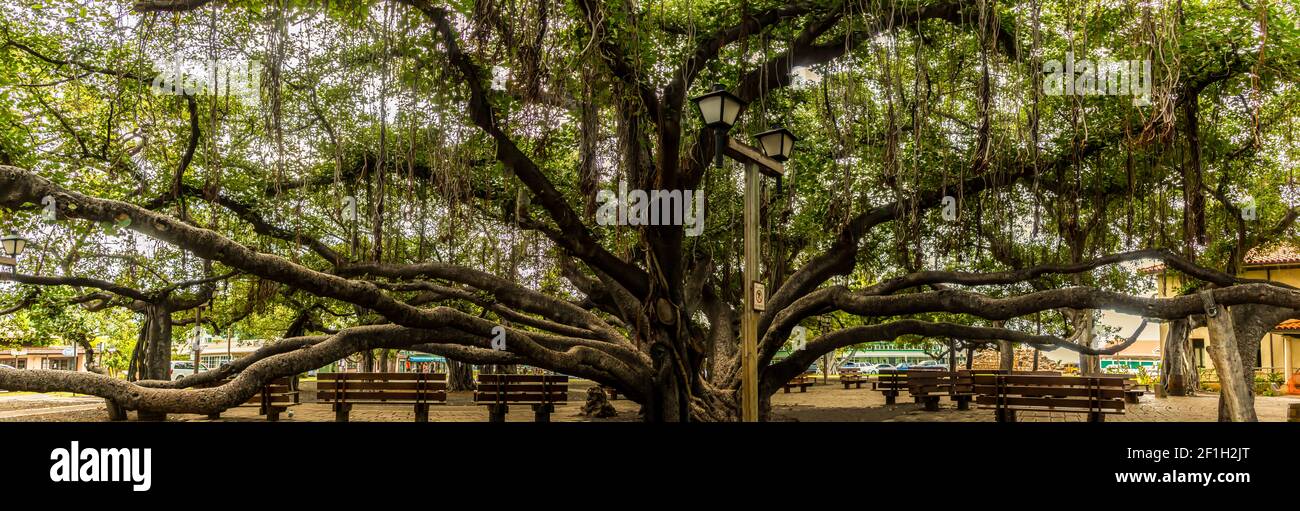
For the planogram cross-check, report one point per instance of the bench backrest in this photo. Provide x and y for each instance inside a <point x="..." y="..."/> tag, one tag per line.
<point x="931" y="382"/>
<point x="280" y="391"/>
<point x="381" y="387"/>
<point x="1004" y="371"/>
<point x="1081" y="393"/>
<point x="891" y="379"/>
<point x="522" y="388"/>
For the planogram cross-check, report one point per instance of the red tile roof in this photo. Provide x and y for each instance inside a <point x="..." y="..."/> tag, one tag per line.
<point x="1268" y="255"/>
<point x="1155" y="268"/>
<point x="1290" y="324"/>
<point x="1277" y="253"/>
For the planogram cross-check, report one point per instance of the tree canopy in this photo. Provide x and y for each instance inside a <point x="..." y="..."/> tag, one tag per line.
<point x="354" y="176"/>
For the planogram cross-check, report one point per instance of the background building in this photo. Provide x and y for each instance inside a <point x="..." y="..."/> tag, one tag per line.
<point x="58" y="358"/>
<point x="1279" y="350"/>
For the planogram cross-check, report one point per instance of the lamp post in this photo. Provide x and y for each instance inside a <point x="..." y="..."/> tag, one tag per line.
<point x="720" y="109"/>
<point x="13" y="246"/>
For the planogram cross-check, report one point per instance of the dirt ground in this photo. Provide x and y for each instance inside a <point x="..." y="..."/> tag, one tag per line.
<point x="832" y="403"/>
<point x="821" y="403"/>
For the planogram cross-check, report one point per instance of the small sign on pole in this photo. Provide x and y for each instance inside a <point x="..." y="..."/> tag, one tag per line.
<point x="760" y="296"/>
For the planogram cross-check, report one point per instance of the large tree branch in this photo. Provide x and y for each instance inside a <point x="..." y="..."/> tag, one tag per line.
<point x="38" y="280"/>
<point x="781" y="372"/>
<point x="247" y="212"/>
<point x="18" y="187"/>
<point x="577" y="239"/>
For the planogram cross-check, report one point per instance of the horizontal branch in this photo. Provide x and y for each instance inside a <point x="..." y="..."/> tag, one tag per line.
<point x="781" y="372"/>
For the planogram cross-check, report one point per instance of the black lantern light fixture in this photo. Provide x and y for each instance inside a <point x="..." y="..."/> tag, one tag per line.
<point x="777" y="143"/>
<point x="720" y="109"/>
<point x="13" y="244"/>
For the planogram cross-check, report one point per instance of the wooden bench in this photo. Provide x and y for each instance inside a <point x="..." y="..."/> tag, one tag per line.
<point x="853" y="379"/>
<point x="802" y="381"/>
<point x="1096" y="396"/>
<point x="927" y="386"/>
<point x="890" y="382"/>
<point x="1133" y="390"/>
<point x="419" y="390"/>
<point x="271" y="399"/>
<point x="499" y="391"/>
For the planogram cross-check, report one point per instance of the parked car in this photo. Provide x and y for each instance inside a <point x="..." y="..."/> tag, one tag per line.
<point x="812" y="369"/>
<point x="877" y="368"/>
<point x="853" y="367"/>
<point x="931" y="364"/>
<point x="183" y="368"/>
<point x="905" y="366"/>
<point x="7" y="366"/>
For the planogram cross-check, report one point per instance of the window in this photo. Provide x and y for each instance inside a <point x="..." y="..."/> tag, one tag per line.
<point x="59" y="364"/>
<point x="211" y="361"/>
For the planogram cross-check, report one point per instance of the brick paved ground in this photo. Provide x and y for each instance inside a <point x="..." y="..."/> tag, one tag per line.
<point x="820" y="403"/>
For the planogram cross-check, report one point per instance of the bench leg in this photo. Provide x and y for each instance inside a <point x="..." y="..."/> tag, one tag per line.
<point x="889" y="399"/>
<point x="803" y="388"/>
<point x="497" y="413"/>
<point x="1005" y="415"/>
<point x="963" y="404"/>
<point x="787" y="390"/>
<point x="1096" y="417"/>
<point x="422" y="412"/>
<point x="341" y="412"/>
<point x="542" y="413"/>
<point x="932" y="404"/>
<point x="1131" y="398"/>
<point x="272" y="414"/>
<point x="214" y="416"/>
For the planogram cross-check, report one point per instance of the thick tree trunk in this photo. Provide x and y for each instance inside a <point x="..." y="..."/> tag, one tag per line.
<point x="1177" y="369"/>
<point x="158" y="343"/>
<point x="1084" y="329"/>
<point x="1234" y="388"/>
<point x="460" y="376"/>
<point x="1006" y="352"/>
<point x="1250" y="323"/>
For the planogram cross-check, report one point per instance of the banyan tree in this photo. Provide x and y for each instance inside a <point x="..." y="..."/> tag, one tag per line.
<point x="420" y="175"/>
